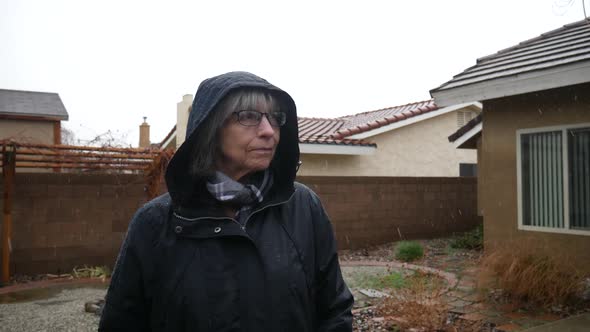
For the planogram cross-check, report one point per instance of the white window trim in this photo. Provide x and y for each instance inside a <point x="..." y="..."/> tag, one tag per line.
<point x="564" y="156"/>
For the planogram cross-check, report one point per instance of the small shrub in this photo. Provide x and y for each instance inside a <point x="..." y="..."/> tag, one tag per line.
<point x="528" y="275"/>
<point x="91" y="272"/>
<point x="469" y="240"/>
<point x="408" y="251"/>
<point x="418" y="306"/>
<point x="425" y="282"/>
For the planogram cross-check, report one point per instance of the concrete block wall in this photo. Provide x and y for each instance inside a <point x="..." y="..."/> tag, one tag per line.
<point x="374" y="210"/>
<point x="65" y="220"/>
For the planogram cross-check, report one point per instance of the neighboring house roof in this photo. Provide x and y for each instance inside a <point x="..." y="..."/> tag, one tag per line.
<point x="346" y="135"/>
<point x="169" y="138"/>
<point x="320" y="131"/>
<point x="554" y="59"/>
<point x="349" y="125"/>
<point x="368" y="124"/>
<point x="32" y="104"/>
<point x="465" y="137"/>
<point x="363" y="122"/>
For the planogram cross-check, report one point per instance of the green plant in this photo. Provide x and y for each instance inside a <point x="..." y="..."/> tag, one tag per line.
<point x="408" y="251"/>
<point x="380" y="281"/>
<point x="469" y="240"/>
<point x="392" y="280"/>
<point x="91" y="272"/>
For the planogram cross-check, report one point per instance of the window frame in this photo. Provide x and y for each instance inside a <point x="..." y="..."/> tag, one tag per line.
<point x="565" y="173"/>
<point x="471" y="166"/>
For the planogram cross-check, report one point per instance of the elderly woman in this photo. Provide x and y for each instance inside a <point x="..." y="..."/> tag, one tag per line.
<point x="236" y="244"/>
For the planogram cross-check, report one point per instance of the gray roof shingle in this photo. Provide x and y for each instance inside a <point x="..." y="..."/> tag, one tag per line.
<point x="558" y="48"/>
<point x="32" y="103"/>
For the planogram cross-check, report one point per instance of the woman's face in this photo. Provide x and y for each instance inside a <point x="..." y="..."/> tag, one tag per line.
<point x="246" y="149"/>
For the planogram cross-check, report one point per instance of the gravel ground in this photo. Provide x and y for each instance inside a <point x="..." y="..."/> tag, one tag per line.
<point x="61" y="312"/>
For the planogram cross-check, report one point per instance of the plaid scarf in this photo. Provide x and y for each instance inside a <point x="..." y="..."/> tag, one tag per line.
<point x="245" y="196"/>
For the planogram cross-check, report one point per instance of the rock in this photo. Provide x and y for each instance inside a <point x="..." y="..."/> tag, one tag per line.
<point x="373" y="293"/>
<point x="94" y="307"/>
<point x="584" y="293"/>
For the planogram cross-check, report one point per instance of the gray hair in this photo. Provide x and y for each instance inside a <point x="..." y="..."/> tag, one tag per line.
<point x="207" y="147"/>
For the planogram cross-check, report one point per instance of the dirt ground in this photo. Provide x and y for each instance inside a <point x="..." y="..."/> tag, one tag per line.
<point x="359" y="268"/>
<point x="464" y="306"/>
<point x="437" y="254"/>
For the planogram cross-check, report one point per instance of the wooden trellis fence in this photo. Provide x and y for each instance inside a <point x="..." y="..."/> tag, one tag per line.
<point x="67" y="158"/>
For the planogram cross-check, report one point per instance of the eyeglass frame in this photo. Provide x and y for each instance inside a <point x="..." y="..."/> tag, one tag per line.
<point x="262" y="114"/>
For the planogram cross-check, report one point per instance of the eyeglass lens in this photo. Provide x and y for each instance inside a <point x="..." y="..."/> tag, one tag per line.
<point x="253" y="118"/>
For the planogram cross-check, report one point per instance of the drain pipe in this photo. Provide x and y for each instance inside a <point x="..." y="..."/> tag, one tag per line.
<point x="8" y="170"/>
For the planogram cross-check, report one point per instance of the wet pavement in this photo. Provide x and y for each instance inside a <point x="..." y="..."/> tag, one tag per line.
<point x="466" y="301"/>
<point x="580" y="323"/>
<point x="49" y="306"/>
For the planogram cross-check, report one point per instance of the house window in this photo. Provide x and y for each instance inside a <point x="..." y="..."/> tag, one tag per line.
<point x="554" y="179"/>
<point x="467" y="169"/>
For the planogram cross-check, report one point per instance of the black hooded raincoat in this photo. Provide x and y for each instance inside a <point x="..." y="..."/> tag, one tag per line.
<point x="186" y="266"/>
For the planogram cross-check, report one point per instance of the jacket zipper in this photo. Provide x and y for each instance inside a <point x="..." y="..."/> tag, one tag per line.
<point x="264" y="207"/>
<point x="243" y="227"/>
<point x="210" y="218"/>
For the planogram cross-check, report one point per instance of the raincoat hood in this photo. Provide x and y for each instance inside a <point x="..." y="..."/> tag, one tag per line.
<point x="183" y="187"/>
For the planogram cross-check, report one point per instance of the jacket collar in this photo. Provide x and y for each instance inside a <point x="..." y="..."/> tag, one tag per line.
<point x="213" y="209"/>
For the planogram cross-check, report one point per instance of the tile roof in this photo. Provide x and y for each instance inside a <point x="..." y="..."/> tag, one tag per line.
<point x="31" y="103"/>
<point x="564" y="46"/>
<point x="318" y="127"/>
<point x="336" y="131"/>
<point x="320" y="131"/>
<point x="363" y="122"/>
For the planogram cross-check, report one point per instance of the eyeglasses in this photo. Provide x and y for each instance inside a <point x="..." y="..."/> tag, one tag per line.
<point x="253" y="118"/>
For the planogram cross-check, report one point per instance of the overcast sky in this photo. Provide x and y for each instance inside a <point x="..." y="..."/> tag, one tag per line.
<point x="115" y="61"/>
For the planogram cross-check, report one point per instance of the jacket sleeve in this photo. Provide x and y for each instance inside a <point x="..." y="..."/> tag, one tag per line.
<point x="334" y="299"/>
<point x="126" y="307"/>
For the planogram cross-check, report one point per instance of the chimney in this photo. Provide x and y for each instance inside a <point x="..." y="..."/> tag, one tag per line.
<point x="144" y="134"/>
<point x="182" y="111"/>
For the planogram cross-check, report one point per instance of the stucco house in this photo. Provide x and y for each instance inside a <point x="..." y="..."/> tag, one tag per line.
<point x="31" y="117"/>
<point x="533" y="141"/>
<point x="406" y="140"/>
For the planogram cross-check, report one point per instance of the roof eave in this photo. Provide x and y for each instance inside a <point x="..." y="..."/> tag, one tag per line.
<point x="35" y="116"/>
<point x="336" y="149"/>
<point x="469" y="139"/>
<point x="551" y="78"/>
<point x="168" y="139"/>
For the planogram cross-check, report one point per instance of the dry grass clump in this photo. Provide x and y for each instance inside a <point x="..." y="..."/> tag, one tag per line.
<point x="418" y="306"/>
<point x="529" y="276"/>
<point x="102" y="272"/>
